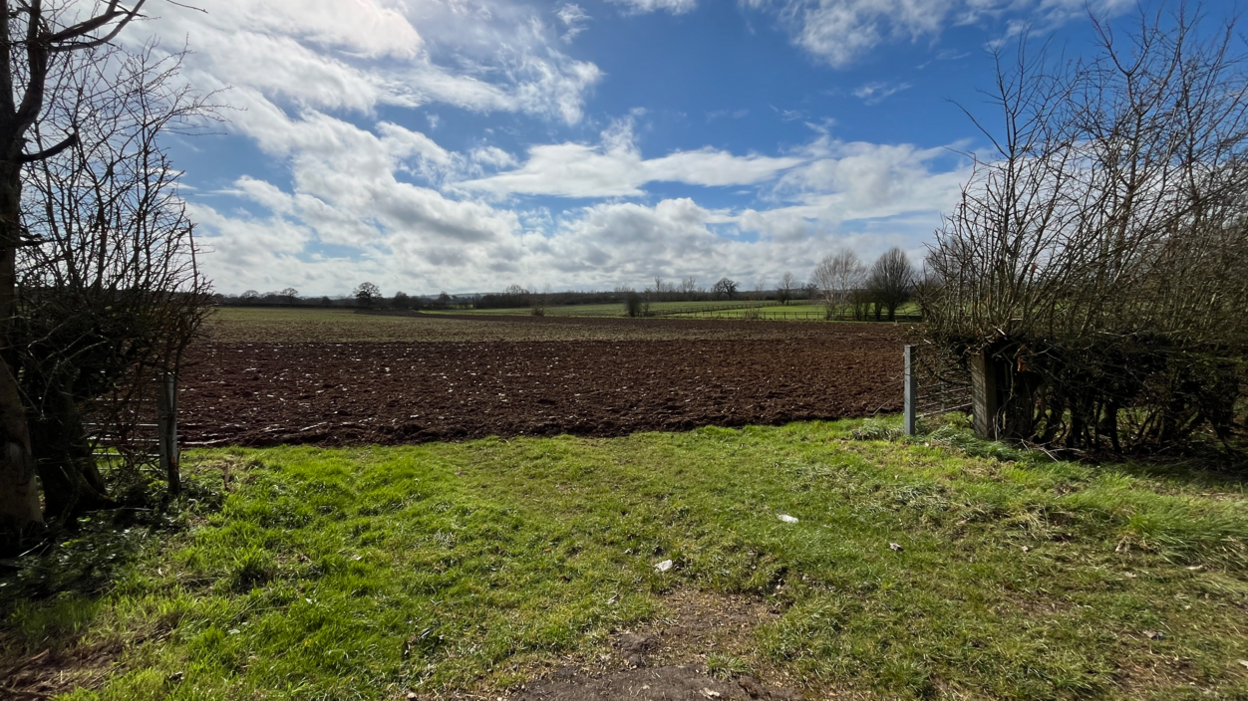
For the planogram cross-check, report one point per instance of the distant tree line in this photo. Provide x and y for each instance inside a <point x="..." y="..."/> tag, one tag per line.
<point x="366" y="296"/>
<point x="841" y="282"/>
<point x="849" y="289"/>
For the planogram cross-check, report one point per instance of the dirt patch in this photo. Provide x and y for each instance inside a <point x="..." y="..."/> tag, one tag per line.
<point x="700" y="624"/>
<point x="674" y="657"/>
<point x="652" y="684"/>
<point x="53" y="672"/>
<point x="394" y="393"/>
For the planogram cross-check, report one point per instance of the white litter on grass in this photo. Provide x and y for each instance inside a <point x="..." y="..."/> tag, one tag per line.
<point x="663" y="566"/>
<point x="788" y="519"/>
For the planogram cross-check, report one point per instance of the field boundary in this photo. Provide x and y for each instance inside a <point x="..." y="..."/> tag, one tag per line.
<point x="936" y="383"/>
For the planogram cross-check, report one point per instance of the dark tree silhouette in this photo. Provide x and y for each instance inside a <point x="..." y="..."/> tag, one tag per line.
<point x="890" y="282"/>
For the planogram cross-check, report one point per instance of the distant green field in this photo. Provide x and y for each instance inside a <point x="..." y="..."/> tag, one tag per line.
<point x="801" y="311"/>
<point x="769" y="312"/>
<point x="612" y="310"/>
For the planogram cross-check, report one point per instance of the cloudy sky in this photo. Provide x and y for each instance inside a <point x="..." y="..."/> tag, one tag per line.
<point x="466" y="145"/>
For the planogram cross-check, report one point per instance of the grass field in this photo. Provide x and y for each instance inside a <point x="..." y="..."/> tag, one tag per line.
<point x="717" y="309"/>
<point x="790" y="312"/>
<point x="913" y="571"/>
<point x="611" y="310"/>
<point x="798" y="311"/>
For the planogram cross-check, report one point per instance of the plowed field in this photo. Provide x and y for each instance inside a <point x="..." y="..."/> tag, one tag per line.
<point x="725" y="374"/>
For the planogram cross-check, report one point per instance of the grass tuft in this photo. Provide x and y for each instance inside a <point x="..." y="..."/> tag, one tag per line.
<point x="726" y="666"/>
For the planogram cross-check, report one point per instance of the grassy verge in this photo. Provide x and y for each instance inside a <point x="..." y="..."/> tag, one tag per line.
<point x="913" y="571"/>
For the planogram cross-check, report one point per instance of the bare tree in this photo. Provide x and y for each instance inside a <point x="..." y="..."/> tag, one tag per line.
<point x="786" y="287"/>
<point x="689" y="287"/>
<point x="726" y="288"/>
<point x="664" y="291"/>
<point x="836" y="278"/>
<point x="539" y="301"/>
<point x="760" y="284"/>
<point x="30" y="35"/>
<point x="109" y="293"/>
<point x="289" y="295"/>
<point x="890" y="282"/>
<point x="366" y="293"/>
<point x="1097" y="261"/>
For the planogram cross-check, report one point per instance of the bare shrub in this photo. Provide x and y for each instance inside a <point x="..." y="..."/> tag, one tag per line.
<point x="636" y="304"/>
<point x="109" y="290"/>
<point x="726" y="287"/>
<point x="1098" y="260"/>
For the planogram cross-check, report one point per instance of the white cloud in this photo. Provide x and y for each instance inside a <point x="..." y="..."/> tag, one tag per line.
<point x="615" y="168"/>
<point x="361" y="26"/>
<point x="330" y="55"/>
<point x="574" y="18"/>
<point x="493" y="156"/>
<point x="676" y="7"/>
<point x="360" y="197"/>
<point x="874" y="92"/>
<point x="346" y="185"/>
<point x="265" y="194"/>
<point x="855" y="180"/>
<point x="868" y="196"/>
<point x="841" y="31"/>
<point x="838" y="31"/>
<point x="348" y="190"/>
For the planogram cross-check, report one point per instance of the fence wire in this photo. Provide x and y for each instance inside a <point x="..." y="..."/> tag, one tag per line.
<point x="937" y="382"/>
<point x="134" y="427"/>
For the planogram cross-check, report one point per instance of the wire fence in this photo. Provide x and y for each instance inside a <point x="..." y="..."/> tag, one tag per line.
<point x="696" y="311"/>
<point x="135" y="428"/>
<point x="936" y="382"/>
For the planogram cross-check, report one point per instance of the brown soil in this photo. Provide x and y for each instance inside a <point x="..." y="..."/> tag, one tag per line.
<point x="56" y="671"/>
<point x="666" y="660"/>
<point x="392" y="393"/>
<point x="652" y="684"/>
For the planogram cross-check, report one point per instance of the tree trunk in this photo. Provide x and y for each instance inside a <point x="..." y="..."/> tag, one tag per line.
<point x="19" y="496"/>
<point x="71" y="481"/>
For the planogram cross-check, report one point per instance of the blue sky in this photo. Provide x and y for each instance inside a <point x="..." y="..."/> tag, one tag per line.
<point x="466" y="146"/>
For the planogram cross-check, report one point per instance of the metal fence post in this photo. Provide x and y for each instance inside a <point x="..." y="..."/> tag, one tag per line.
<point x="912" y="391"/>
<point x="167" y="425"/>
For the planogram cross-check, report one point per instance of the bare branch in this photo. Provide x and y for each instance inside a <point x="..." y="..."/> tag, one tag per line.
<point x="67" y="142"/>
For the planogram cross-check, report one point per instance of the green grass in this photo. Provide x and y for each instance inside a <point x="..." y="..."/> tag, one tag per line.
<point x="607" y="310"/>
<point x="361" y="573"/>
<point x="771" y="311"/>
<point x="795" y="311"/>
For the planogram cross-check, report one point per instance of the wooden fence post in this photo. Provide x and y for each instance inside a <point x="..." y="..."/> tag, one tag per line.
<point x="911" y="390"/>
<point x="167" y="425"/>
<point x="984" y="399"/>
